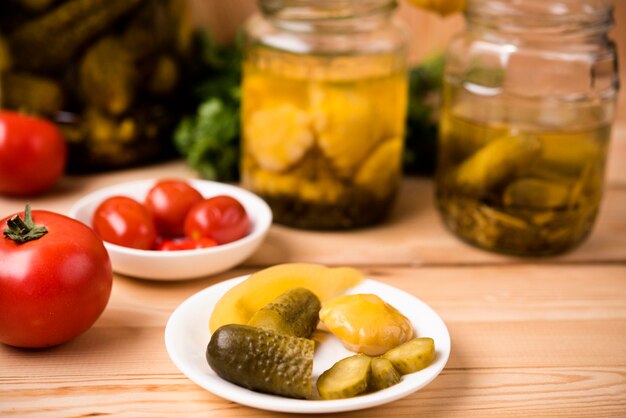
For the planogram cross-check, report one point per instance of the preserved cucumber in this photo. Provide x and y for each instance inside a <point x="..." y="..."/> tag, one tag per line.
<point x="536" y="195"/>
<point x="346" y="378"/>
<point x="36" y="5"/>
<point x="262" y="360"/>
<point x="496" y="163"/>
<point x="384" y="374"/>
<point x="22" y="91"/>
<point x="295" y="312"/>
<point x="412" y="356"/>
<point x="6" y="61"/>
<point x="108" y="76"/>
<point x="49" y="43"/>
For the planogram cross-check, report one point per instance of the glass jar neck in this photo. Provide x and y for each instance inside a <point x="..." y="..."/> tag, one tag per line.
<point x="541" y="19"/>
<point x="328" y="15"/>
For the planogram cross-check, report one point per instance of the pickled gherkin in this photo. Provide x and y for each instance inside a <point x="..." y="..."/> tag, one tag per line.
<point x="108" y="77"/>
<point x="49" y="43"/>
<point x="31" y="92"/>
<point x="295" y="312"/>
<point x="262" y="360"/>
<point x="532" y="191"/>
<point x="111" y="73"/>
<point x="496" y="163"/>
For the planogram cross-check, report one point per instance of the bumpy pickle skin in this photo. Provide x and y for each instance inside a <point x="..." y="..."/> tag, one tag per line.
<point x="241" y="302"/>
<point x="262" y="361"/>
<point x="365" y="323"/>
<point x="412" y="356"/>
<point x="347" y="378"/>
<point x="295" y="312"/>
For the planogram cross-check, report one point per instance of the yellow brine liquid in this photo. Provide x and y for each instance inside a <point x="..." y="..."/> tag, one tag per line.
<point x="323" y="136"/>
<point x="519" y="183"/>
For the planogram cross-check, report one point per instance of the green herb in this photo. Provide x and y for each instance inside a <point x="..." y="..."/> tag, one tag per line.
<point x="422" y="128"/>
<point x="209" y="139"/>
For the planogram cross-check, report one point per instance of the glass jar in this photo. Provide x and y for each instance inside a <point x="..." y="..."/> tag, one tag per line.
<point x="324" y="101"/>
<point x="109" y="72"/>
<point x="529" y="96"/>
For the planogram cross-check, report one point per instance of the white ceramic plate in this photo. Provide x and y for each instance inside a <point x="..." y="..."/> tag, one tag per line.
<point x="180" y="265"/>
<point x="187" y="335"/>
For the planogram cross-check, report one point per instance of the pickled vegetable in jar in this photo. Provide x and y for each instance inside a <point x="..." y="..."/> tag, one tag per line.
<point x="324" y="100"/>
<point x="110" y="72"/>
<point x="529" y="97"/>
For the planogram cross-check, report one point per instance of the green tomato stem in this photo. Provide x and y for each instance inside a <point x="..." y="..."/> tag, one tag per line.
<point x="22" y="231"/>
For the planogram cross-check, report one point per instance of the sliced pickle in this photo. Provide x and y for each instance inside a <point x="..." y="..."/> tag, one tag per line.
<point x="262" y="360"/>
<point x="295" y="312"/>
<point x="384" y="374"/>
<point x="346" y="378"/>
<point x="412" y="356"/>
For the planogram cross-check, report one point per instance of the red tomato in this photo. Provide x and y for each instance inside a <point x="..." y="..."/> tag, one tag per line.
<point x="169" y="201"/>
<point x="123" y="221"/>
<point x="54" y="287"/>
<point x="222" y="218"/>
<point x="32" y="154"/>
<point x="186" y="244"/>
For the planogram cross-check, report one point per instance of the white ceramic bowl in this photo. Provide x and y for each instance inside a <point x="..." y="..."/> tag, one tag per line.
<point x="187" y="264"/>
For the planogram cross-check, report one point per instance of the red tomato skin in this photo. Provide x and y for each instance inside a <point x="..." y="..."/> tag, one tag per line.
<point x="169" y="202"/>
<point x="123" y="221"/>
<point x="222" y="218"/>
<point x="54" y="288"/>
<point x="33" y="154"/>
<point x="186" y="244"/>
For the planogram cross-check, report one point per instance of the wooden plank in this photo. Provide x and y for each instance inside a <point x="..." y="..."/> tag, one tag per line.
<point x="527" y="340"/>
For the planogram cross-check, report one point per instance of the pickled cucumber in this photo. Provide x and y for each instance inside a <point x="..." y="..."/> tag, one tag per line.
<point x="536" y="193"/>
<point x="346" y="378"/>
<point x="22" y="91"/>
<point x="49" y="43"/>
<point x="108" y="76"/>
<point x="496" y="163"/>
<point x="384" y="374"/>
<point x="295" y="312"/>
<point x="262" y="361"/>
<point x="412" y="356"/>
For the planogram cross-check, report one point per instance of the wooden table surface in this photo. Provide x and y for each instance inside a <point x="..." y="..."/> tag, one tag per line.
<point x="530" y="337"/>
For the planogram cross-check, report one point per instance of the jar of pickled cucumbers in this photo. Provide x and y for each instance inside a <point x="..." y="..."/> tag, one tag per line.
<point x="111" y="73"/>
<point x="529" y="96"/>
<point x="323" y="110"/>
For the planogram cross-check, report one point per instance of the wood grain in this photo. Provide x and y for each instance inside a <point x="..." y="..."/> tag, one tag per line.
<point x="527" y="340"/>
<point x="530" y="337"/>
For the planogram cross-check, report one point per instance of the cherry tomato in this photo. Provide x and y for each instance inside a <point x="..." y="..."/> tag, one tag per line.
<point x="54" y="285"/>
<point x="124" y="221"/>
<point x="169" y="201"/>
<point x="222" y="218"/>
<point x="32" y="154"/>
<point x="186" y="244"/>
